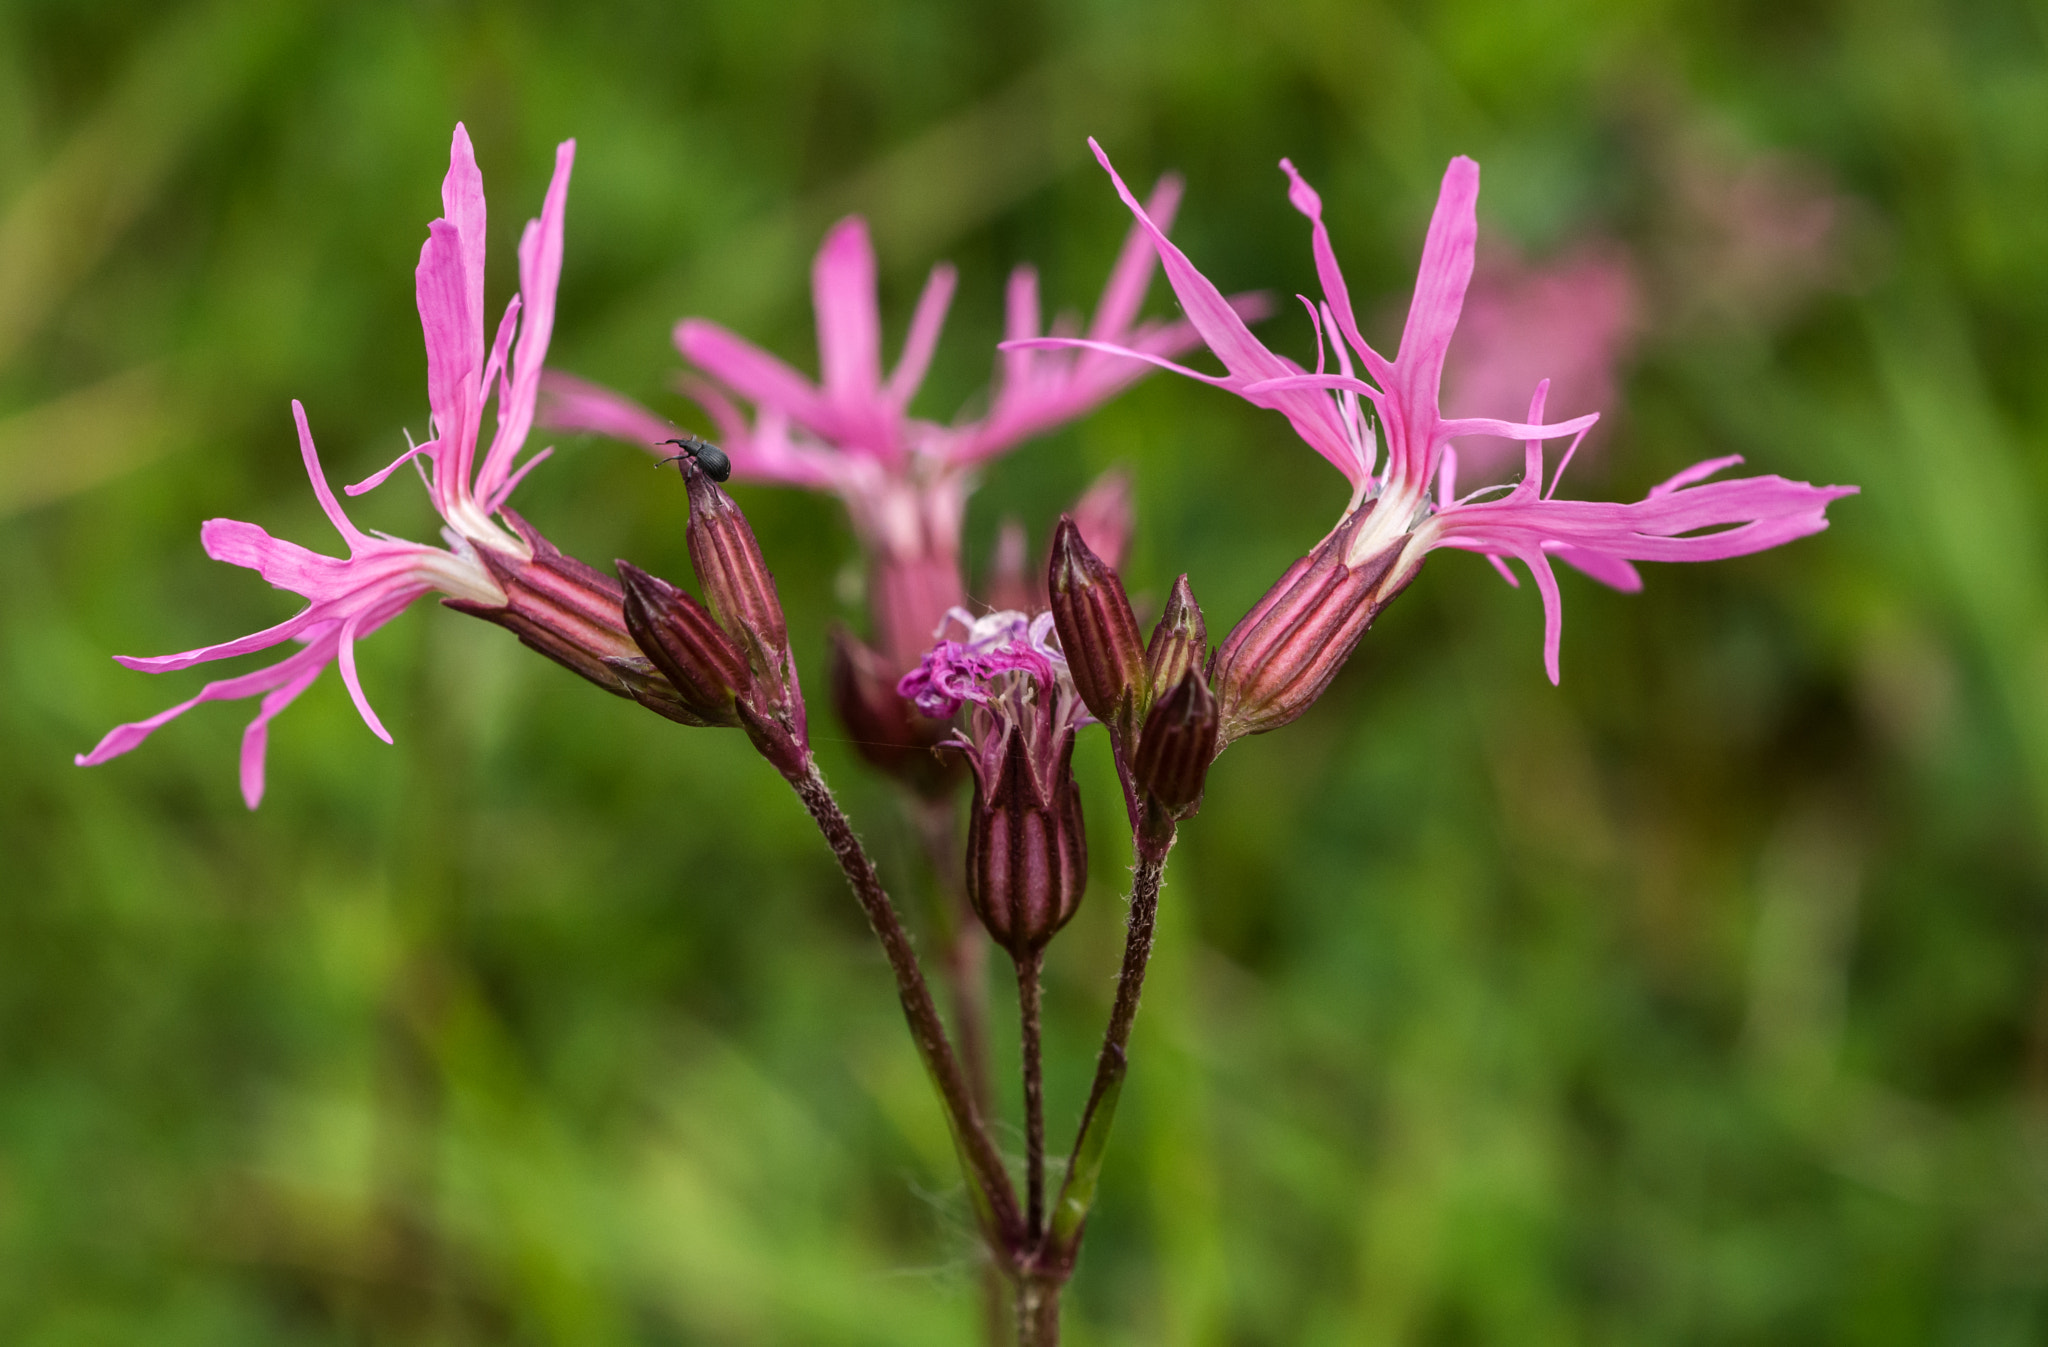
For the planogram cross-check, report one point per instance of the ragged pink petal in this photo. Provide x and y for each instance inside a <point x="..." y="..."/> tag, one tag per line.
<point x="1131" y="277"/>
<point x="462" y="206"/>
<point x="1336" y="294"/>
<point x="540" y="274"/>
<point x="1702" y="522"/>
<point x="752" y="373"/>
<point x="849" y="327"/>
<point x="923" y="338"/>
<point x="573" y="404"/>
<point x="1313" y="417"/>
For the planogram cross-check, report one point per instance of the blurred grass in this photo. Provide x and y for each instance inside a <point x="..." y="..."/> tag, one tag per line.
<point x="1699" y="1000"/>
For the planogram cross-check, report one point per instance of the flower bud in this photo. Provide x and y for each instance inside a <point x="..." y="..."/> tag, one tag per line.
<point x="1180" y="642"/>
<point x="571" y="613"/>
<point x="1098" y="632"/>
<point x="1177" y="745"/>
<point x="682" y="640"/>
<point x="1027" y="851"/>
<point x="884" y="728"/>
<point x="737" y="586"/>
<point x="1283" y="654"/>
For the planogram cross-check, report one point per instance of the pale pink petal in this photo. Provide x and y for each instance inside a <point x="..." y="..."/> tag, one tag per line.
<point x="540" y="274"/>
<point x="1305" y="199"/>
<point x="454" y="342"/>
<point x="751" y="372"/>
<point x="849" y="327"/>
<point x="377" y="478"/>
<point x="1314" y="418"/>
<point x="1440" y="283"/>
<point x="315" y="474"/>
<point x="295" y="625"/>
<point x="573" y="404"/>
<point x="1020" y="329"/>
<point x="256" y="739"/>
<point x="1611" y="571"/>
<point x="1515" y="430"/>
<point x="504" y="492"/>
<point x="122" y="738"/>
<point x="1124" y="293"/>
<point x="1696" y="473"/>
<point x="923" y="337"/>
<point x="346" y="654"/>
<point x="462" y="206"/>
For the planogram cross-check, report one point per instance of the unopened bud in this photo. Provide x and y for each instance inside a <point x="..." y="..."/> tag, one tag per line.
<point x="737" y="586"/>
<point x="731" y="653"/>
<point x="572" y="613"/>
<point x="1177" y="745"/>
<point x="1098" y="632"/>
<point x="884" y="728"/>
<point x="1180" y="642"/>
<point x="1027" y="850"/>
<point x="1285" y="651"/>
<point x="684" y="642"/>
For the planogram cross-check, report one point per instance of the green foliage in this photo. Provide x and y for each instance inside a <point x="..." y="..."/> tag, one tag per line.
<point x="1700" y="1000"/>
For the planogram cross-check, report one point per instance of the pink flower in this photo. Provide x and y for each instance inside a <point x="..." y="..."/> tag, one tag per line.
<point x="1407" y="502"/>
<point x="1027" y="846"/>
<point x="974" y="667"/>
<point x="905" y="480"/>
<point x="350" y="597"/>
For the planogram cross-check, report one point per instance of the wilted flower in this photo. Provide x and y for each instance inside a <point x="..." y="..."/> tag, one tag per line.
<point x="350" y="597"/>
<point x="1405" y="505"/>
<point x="1027" y="849"/>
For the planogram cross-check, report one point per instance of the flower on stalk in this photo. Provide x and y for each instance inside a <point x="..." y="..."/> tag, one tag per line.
<point x="485" y="564"/>
<point x="1027" y="849"/>
<point x="1181" y="733"/>
<point x="1099" y="631"/>
<point x="729" y="657"/>
<point x="904" y="480"/>
<point x="1405" y="504"/>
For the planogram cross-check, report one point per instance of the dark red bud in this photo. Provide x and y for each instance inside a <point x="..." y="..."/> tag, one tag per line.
<point x="1180" y="642"/>
<point x="737" y="586"/>
<point x="1177" y="745"/>
<point x="681" y="639"/>
<point x="1098" y="631"/>
<point x="1285" y="651"/>
<point x="572" y="613"/>
<point x="1027" y="852"/>
<point x="884" y="728"/>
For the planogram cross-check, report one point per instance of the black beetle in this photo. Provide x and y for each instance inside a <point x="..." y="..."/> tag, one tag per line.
<point x="708" y="456"/>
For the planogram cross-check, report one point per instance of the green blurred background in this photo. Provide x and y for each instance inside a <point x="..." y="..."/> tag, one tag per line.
<point x="1701" y="1000"/>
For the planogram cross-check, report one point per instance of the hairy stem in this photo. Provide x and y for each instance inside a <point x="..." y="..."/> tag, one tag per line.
<point x="1153" y="844"/>
<point x="1038" y="1313"/>
<point x="1034" y="1095"/>
<point x="997" y="1199"/>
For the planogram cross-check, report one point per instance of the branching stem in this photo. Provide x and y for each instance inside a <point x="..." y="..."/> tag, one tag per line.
<point x="990" y="1183"/>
